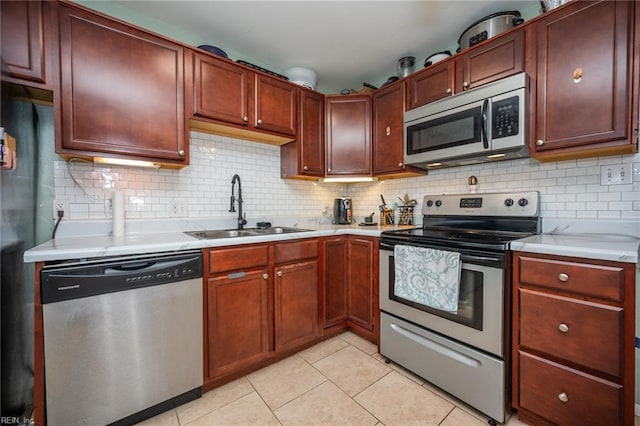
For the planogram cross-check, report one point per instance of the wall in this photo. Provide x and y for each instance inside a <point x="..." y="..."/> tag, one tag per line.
<point x="569" y="189"/>
<point x="203" y="188"/>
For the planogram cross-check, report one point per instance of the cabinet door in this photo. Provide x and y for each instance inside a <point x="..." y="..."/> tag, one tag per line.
<point x="431" y="84"/>
<point x="388" y="130"/>
<point x="238" y="326"/>
<point x="311" y="133"/>
<point x="583" y="78"/>
<point x="275" y="105"/>
<point x="22" y="39"/>
<point x="362" y="282"/>
<point x="122" y="90"/>
<point x="348" y="135"/>
<point x="296" y="304"/>
<point x="498" y="59"/>
<point x="221" y="90"/>
<point x="335" y="281"/>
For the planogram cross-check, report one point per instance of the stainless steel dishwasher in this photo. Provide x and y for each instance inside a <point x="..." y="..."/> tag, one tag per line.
<point x="122" y="337"/>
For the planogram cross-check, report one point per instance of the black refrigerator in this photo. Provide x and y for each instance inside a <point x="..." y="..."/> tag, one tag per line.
<point x="18" y="192"/>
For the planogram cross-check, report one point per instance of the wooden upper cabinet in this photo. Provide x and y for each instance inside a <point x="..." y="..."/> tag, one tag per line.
<point x="586" y="85"/>
<point x="231" y="100"/>
<point x="222" y="90"/>
<point x="490" y="61"/>
<point x="348" y="135"/>
<point x="304" y="158"/>
<point x="431" y="84"/>
<point x="23" y="39"/>
<point x="121" y="91"/>
<point x="275" y="105"/>
<point x="499" y="58"/>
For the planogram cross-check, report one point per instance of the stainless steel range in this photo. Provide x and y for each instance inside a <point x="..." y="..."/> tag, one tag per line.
<point x="464" y="348"/>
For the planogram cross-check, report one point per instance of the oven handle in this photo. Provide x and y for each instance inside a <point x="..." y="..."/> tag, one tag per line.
<point x="497" y="260"/>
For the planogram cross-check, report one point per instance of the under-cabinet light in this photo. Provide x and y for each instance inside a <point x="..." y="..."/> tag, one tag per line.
<point x="434" y="164"/>
<point x="125" y="162"/>
<point x="494" y="156"/>
<point x="350" y="179"/>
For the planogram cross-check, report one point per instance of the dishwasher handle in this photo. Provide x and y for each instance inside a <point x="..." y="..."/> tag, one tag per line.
<point x="79" y="281"/>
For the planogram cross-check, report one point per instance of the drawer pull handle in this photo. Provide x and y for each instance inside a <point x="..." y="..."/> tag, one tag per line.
<point x="563" y="277"/>
<point x="563" y="327"/>
<point x="563" y="397"/>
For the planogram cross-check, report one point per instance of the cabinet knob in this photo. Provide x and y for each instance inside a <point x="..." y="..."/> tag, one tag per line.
<point x="329" y="170"/>
<point x="279" y="273"/>
<point x="265" y="276"/>
<point x="245" y="118"/>
<point x="388" y="130"/>
<point x="400" y="164"/>
<point x="259" y="121"/>
<point x="465" y="85"/>
<point x="539" y="142"/>
<point x="448" y="90"/>
<point x="577" y="75"/>
<point x="305" y="168"/>
<point x="563" y="397"/>
<point x="563" y="328"/>
<point x="563" y="277"/>
<point x="181" y="153"/>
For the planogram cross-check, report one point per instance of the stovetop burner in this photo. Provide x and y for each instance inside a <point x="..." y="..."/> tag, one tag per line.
<point x="476" y="221"/>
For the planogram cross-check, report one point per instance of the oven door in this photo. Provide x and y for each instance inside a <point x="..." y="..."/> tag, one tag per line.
<point x="479" y="320"/>
<point x="457" y="132"/>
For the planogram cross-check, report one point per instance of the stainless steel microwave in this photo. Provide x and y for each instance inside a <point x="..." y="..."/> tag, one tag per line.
<point x="488" y="123"/>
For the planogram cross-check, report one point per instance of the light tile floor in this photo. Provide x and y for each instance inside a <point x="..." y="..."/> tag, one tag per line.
<point x="340" y="381"/>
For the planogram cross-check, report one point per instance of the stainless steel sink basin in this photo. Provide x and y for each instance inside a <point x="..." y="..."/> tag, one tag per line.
<point x="247" y="232"/>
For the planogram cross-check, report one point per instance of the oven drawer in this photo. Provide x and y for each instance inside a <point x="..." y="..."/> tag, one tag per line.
<point x="470" y="375"/>
<point x="566" y="396"/>
<point x="606" y="282"/>
<point x="583" y="332"/>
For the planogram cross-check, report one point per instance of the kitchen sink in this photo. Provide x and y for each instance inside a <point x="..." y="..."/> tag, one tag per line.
<point x="247" y="232"/>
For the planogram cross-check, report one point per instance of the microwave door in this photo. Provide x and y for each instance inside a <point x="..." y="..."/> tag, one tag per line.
<point x="457" y="132"/>
<point x="507" y="121"/>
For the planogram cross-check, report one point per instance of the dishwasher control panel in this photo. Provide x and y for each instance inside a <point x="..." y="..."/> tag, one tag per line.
<point x="60" y="282"/>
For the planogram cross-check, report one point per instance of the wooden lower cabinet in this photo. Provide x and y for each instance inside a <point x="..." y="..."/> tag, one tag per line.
<point x="350" y="284"/>
<point x="573" y="340"/>
<point x="237" y="326"/>
<point x="296" y="304"/>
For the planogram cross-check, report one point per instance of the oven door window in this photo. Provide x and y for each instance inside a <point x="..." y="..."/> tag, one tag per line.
<point x="469" y="300"/>
<point x="448" y="131"/>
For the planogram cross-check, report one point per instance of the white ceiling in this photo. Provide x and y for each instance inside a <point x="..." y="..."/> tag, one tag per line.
<point x="345" y="42"/>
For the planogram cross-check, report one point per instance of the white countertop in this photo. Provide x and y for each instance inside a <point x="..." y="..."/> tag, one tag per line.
<point x="82" y="247"/>
<point x="614" y="247"/>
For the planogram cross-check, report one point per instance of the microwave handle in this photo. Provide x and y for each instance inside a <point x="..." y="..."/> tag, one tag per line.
<point x="485" y="140"/>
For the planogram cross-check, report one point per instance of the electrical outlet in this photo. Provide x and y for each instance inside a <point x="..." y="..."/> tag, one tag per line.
<point x="60" y="205"/>
<point x="178" y="209"/>
<point x="619" y="174"/>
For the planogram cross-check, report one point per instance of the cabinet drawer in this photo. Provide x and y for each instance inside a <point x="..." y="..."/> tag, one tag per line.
<point x="288" y="252"/>
<point x="588" y="279"/>
<point x="586" y="333"/>
<point x="237" y="258"/>
<point x="566" y="396"/>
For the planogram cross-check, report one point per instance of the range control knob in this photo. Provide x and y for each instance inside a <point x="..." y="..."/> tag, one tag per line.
<point x="429" y="203"/>
<point x="508" y="202"/>
<point x="438" y="203"/>
<point x="523" y="202"/>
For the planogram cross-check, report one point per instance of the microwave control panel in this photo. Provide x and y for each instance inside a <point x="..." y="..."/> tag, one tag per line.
<point x="505" y="118"/>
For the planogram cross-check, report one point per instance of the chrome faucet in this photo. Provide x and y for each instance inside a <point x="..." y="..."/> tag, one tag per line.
<point x="242" y="220"/>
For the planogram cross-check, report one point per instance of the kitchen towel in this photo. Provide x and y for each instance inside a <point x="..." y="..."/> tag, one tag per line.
<point x="427" y="276"/>
<point x="117" y="215"/>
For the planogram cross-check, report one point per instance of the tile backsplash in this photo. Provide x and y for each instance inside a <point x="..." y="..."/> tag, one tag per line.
<point x="569" y="189"/>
